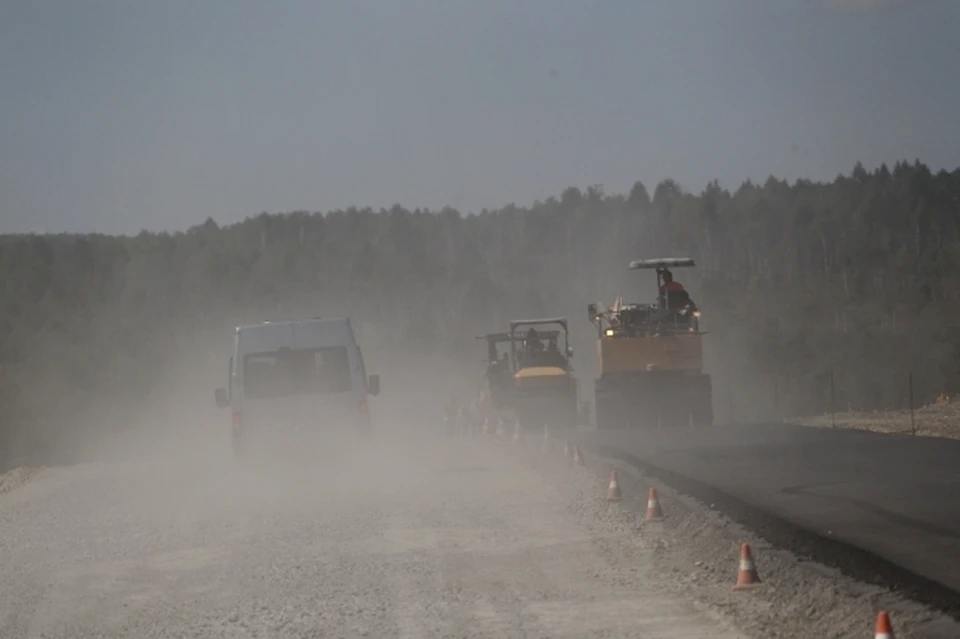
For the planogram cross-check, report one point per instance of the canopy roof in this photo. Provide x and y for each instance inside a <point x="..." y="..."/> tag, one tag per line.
<point x="663" y="262"/>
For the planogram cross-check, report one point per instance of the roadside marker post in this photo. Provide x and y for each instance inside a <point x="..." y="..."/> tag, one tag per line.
<point x="833" y="401"/>
<point x="913" y="423"/>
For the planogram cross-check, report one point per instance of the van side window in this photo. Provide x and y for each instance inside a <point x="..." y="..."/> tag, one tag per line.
<point x="288" y="372"/>
<point x="334" y="367"/>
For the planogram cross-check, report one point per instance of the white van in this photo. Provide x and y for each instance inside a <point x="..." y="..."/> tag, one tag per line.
<point x="300" y="377"/>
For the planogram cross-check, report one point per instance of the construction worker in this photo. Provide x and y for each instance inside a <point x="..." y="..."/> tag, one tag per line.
<point x="672" y="293"/>
<point x="532" y="342"/>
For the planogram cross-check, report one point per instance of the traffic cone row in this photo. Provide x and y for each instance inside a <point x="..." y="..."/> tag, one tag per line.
<point x="747" y="575"/>
<point x="500" y="428"/>
<point x="654" y="511"/>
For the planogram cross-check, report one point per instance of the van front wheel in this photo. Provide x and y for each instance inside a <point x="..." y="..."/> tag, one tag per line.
<point x="237" y="444"/>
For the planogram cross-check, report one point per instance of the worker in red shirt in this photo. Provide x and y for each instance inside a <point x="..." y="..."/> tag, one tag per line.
<point x="672" y="293"/>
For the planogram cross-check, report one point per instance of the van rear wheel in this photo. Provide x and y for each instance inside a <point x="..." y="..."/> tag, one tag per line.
<point x="237" y="444"/>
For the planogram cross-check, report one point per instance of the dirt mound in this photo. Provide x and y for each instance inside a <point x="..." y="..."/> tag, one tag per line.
<point x="941" y="419"/>
<point x="13" y="479"/>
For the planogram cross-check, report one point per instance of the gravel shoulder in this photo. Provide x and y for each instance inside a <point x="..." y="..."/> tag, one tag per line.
<point x="417" y="538"/>
<point x="696" y="552"/>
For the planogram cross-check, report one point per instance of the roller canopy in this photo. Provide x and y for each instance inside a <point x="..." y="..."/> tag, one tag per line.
<point x="663" y="262"/>
<point x="562" y="321"/>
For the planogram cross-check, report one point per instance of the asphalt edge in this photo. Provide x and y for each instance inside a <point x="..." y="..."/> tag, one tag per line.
<point x="849" y="559"/>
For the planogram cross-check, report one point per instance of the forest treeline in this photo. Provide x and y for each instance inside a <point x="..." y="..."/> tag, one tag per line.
<point x="858" y="279"/>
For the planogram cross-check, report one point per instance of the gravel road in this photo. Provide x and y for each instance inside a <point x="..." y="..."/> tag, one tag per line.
<point x="413" y="539"/>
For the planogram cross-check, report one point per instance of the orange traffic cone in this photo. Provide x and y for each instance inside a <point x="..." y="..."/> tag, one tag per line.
<point x="747" y="576"/>
<point x="613" y="490"/>
<point x="577" y="457"/>
<point x="883" y="629"/>
<point x="653" y="507"/>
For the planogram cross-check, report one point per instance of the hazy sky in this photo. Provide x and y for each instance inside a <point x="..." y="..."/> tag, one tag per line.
<point x="122" y="115"/>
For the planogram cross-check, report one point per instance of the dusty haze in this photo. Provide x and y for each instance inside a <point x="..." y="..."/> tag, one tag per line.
<point x="798" y="283"/>
<point x="433" y="171"/>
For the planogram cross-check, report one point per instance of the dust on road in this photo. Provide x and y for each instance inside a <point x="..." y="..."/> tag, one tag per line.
<point x="419" y="539"/>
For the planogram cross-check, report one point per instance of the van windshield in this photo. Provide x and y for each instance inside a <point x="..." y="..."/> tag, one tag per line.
<point x="288" y="372"/>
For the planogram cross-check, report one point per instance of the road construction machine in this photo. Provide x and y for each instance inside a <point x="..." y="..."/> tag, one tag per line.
<point x="529" y="375"/>
<point x="651" y="357"/>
